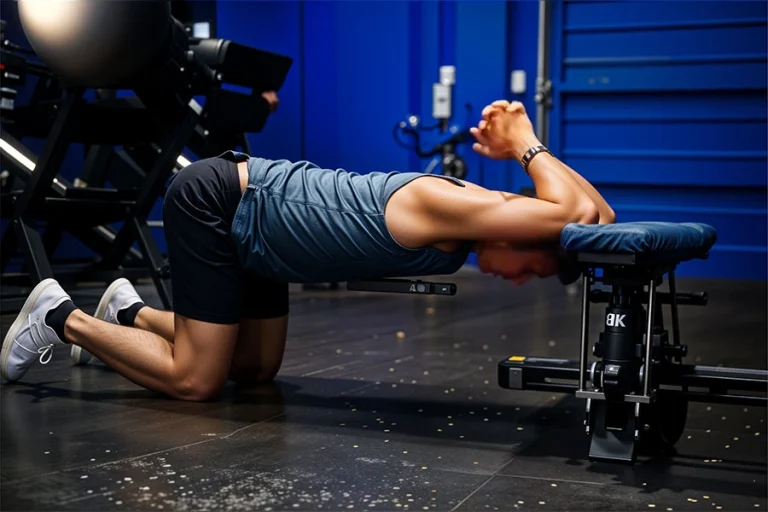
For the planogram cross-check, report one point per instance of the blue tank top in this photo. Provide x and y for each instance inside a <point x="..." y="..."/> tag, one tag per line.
<point x="299" y="223"/>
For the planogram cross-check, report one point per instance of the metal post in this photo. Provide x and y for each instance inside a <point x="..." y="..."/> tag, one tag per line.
<point x="542" y="74"/>
<point x="649" y="336"/>
<point x="675" y="317"/>
<point x="584" y="331"/>
<point x="32" y="249"/>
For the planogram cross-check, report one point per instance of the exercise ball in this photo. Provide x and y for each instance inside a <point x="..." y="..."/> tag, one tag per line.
<point x="98" y="43"/>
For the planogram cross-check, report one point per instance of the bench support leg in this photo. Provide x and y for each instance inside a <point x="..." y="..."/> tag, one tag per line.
<point x="613" y="434"/>
<point x="637" y="391"/>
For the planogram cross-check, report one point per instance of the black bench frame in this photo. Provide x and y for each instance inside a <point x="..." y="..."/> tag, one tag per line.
<point x="637" y="393"/>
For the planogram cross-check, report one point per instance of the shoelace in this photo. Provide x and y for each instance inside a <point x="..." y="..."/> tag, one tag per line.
<point x="43" y="351"/>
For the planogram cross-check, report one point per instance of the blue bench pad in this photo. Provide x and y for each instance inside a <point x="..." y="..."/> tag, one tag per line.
<point x="661" y="241"/>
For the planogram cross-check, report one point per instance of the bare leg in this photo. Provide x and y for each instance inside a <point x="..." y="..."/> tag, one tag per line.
<point x="259" y="350"/>
<point x="156" y="321"/>
<point x="194" y="367"/>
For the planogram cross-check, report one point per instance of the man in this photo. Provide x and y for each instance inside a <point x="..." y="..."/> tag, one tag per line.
<point x="239" y="229"/>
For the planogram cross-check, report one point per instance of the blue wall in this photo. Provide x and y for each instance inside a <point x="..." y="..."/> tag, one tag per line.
<point x="662" y="105"/>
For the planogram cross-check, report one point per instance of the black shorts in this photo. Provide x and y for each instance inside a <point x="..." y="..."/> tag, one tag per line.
<point x="207" y="280"/>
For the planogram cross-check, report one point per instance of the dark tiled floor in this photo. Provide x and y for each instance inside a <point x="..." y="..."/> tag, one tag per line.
<point x="384" y="403"/>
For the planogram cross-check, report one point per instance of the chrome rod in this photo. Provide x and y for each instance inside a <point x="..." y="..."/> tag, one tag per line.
<point x="584" y="331"/>
<point x="649" y="336"/>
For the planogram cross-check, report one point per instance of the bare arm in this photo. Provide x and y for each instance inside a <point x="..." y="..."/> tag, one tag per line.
<point x="484" y="215"/>
<point x="607" y="215"/>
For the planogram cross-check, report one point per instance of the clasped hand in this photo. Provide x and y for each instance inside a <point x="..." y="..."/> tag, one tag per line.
<point x="504" y="132"/>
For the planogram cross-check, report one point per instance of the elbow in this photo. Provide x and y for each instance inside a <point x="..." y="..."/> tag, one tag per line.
<point x="586" y="212"/>
<point x="608" y="216"/>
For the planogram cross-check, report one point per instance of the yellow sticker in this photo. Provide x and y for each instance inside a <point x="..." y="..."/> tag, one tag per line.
<point x="517" y="359"/>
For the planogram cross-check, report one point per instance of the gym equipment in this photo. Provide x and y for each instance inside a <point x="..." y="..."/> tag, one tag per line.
<point x="637" y="393"/>
<point x="134" y="143"/>
<point x="163" y="112"/>
<point x="91" y="43"/>
<point x="417" y="287"/>
<point x="444" y="152"/>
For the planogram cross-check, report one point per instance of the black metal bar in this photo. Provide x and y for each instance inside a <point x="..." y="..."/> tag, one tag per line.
<point x="124" y="171"/>
<point x="16" y="167"/>
<point x="52" y="236"/>
<point x="154" y="259"/>
<point x="402" y="286"/>
<point x="96" y="166"/>
<point x="542" y="370"/>
<point x="682" y="299"/>
<point x="33" y="250"/>
<point x="50" y="160"/>
<point x="99" y="239"/>
<point x="718" y="398"/>
<point x="715" y="377"/>
<point x="9" y="246"/>
<point x="153" y="184"/>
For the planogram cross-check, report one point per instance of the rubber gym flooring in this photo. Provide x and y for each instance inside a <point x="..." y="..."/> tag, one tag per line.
<point x="364" y="418"/>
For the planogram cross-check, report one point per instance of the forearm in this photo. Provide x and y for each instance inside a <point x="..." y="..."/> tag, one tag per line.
<point x="555" y="183"/>
<point x="607" y="215"/>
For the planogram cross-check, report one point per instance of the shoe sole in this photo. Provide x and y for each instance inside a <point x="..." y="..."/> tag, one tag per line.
<point x="26" y="310"/>
<point x="101" y="309"/>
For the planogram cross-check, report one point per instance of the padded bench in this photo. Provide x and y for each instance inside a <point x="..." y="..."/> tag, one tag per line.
<point x="632" y="243"/>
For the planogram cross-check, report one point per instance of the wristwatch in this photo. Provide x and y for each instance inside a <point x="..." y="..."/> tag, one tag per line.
<point x="528" y="156"/>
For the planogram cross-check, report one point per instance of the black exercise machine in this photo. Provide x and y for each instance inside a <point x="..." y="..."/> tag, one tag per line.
<point x="164" y="112"/>
<point x="637" y="392"/>
<point x="134" y="143"/>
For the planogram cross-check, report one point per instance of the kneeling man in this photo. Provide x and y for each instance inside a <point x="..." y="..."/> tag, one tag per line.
<point x="240" y="228"/>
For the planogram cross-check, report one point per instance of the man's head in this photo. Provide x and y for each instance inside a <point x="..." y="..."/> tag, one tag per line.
<point x="517" y="264"/>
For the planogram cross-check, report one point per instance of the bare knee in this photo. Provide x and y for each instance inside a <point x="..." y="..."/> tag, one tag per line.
<point x="198" y="390"/>
<point x="254" y="374"/>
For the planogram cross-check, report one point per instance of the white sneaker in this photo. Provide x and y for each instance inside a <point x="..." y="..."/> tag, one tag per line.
<point x="29" y="337"/>
<point x="120" y="295"/>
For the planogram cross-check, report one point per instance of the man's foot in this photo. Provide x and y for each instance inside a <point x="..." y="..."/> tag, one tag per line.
<point x="120" y="296"/>
<point x="30" y="337"/>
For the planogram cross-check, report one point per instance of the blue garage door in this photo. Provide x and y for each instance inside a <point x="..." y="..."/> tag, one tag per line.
<point x="663" y="106"/>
